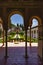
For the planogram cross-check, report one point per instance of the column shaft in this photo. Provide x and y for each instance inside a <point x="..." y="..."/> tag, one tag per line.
<point x="6" y="44"/>
<point x="26" y="52"/>
<point x="30" y="36"/>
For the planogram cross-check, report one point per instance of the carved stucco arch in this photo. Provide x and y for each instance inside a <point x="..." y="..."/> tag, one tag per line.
<point x="14" y="12"/>
<point x="36" y="17"/>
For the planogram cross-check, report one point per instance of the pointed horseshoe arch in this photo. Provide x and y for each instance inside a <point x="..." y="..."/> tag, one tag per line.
<point x="36" y="17"/>
<point x="12" y="13"/>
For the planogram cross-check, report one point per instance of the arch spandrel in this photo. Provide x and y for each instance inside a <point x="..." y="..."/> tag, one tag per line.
<point x="15" y="12"/>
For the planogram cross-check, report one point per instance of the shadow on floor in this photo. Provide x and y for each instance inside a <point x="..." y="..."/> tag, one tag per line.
<point x="16" y="56"/>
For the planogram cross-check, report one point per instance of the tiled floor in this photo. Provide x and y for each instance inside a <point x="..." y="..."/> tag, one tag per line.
<point x="16" y="56"/>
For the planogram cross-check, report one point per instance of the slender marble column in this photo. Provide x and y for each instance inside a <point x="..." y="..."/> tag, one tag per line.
<point x="26" y="26"/>
<point x="30" y="35"/>
<point x="5" y="28"/>
<point x="26" y="52"/>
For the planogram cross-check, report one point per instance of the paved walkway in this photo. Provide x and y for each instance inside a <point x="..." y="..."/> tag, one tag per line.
<point x="16" y="54"/>
<point x="19" y="44"/>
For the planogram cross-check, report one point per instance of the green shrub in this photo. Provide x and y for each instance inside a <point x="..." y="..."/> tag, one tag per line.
<point x="32" y="39"/>
<point x="1" y="40"/>
<point x="12" y="33"/>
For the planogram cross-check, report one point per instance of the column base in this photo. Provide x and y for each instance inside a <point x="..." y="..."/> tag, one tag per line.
<point x="39" y="58"/>
<point x="26" y="57"/>
<point x="6" y="57"/>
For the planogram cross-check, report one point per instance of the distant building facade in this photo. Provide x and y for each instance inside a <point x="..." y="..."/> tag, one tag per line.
<point x="34" y="32"/>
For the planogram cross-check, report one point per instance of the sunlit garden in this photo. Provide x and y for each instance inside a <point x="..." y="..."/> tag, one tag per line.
<point x="21" y="37"/>
<point x="17" y="35"/>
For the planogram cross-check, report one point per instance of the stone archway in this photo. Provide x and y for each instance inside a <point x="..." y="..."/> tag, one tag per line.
<point x="20" y="13"/>
<point x="14" y="12"/>
<point x="39" y="34"/>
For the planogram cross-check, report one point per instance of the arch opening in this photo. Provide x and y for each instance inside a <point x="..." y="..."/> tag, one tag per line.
<point x="17" y="27"/>
<point x="35" y="31"/>
<point x="35" y="23"/>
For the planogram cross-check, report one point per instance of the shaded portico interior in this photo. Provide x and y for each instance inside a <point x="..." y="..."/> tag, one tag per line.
<point x="29" y="10"/>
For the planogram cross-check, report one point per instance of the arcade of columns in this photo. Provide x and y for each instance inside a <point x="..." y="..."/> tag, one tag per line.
<point x="28" y="10"/>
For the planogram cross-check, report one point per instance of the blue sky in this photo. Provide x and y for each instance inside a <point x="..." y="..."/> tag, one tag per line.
<point x="18" y="19"/>
<point x="34" y="22"/>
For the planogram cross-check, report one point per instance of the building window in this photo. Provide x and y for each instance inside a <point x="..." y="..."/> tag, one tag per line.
<point x="37" y="31"/>
<point x="34" y="31"/>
